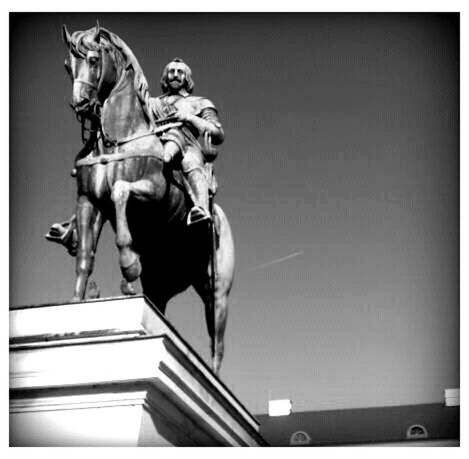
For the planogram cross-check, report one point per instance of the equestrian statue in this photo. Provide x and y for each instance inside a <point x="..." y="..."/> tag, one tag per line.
<point x="146" y="166"/>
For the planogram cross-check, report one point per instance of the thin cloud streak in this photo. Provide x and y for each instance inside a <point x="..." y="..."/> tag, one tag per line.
<point x="277" y="260"/>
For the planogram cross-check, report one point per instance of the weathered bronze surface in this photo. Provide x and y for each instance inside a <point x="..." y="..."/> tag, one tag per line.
<point x="143" y="169"/>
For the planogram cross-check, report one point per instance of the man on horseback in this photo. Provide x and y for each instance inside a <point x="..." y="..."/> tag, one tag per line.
<point x="181" y="145"/>
<point x="131" y="136"/>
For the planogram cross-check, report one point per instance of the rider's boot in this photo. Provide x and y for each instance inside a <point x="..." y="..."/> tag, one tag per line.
<point x="198" y="183"/>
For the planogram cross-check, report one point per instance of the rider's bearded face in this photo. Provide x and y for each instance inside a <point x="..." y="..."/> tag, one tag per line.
<point x="176" y="76"/>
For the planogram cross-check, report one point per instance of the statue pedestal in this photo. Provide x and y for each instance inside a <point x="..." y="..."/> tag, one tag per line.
<point x="115" y="373"/>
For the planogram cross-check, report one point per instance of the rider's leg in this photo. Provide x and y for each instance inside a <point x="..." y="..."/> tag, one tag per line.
<point x="173" y="142"/>
<point x="192" y="167"/>
<point x="171" y="149"/>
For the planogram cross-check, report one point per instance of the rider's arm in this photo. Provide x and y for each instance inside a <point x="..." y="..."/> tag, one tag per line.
<point x="210" y="115"/>
<point x="206" y="121"/>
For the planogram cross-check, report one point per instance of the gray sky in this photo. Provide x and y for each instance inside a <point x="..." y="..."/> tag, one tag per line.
<point x="339" y="174"/>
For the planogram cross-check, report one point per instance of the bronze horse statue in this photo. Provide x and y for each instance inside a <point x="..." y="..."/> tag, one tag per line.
<point x="123" y="179"/>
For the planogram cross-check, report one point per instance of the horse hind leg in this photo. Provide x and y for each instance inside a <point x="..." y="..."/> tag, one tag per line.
<point x="221" y="316"/>
<point x="215" y="296"/>
<point x="216" y="315"/>
<point x="128" y="259"/>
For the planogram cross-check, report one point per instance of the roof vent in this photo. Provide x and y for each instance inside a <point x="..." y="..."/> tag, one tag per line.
<point x="452" y="397"/>
<point x="279" y="407"/>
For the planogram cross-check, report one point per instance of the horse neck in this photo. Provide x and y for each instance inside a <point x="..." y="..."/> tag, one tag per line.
<point x="122" y="113"/>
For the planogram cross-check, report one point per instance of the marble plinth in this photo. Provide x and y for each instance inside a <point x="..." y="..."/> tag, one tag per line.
<point x="114" y="372"/>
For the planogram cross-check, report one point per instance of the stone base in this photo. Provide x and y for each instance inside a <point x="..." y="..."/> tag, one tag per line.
<point x="115" y="373"/>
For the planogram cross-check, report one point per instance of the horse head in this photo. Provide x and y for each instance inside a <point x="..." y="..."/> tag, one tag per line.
<point x="92" y="67"/>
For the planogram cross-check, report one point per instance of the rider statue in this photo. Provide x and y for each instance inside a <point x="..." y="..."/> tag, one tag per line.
<point x="182" y="149"/>
<point x="181" y="145"/>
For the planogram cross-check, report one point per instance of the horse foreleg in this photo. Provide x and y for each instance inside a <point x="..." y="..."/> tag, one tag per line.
<point x="96" y="227"/>
<point x="97" y="224"/>
<point x="87" y="217"/>
<point x="128" y="259"/>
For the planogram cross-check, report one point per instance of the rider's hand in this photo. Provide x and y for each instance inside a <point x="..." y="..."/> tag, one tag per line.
<point x="183" y="115"/>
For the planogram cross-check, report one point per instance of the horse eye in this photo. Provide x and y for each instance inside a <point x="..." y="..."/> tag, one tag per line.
<point x="93" y="60"/>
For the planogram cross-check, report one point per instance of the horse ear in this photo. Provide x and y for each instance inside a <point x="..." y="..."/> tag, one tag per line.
<point x="65" y="35"/>
<point x="97" y="32"/>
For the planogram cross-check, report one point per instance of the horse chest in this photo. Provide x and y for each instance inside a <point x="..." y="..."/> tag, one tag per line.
<point x="97" y="181"/>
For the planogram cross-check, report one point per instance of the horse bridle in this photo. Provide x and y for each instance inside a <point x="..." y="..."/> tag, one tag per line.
<point x="87" y="83"/>
<point x="100" y="75"/>
<point x="96" y="105"/>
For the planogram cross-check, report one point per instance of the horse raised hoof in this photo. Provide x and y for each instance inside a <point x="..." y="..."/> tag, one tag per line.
<point x="132" y="271"/>
<point x="127" y="288"/>
<point x="198" y="214"/>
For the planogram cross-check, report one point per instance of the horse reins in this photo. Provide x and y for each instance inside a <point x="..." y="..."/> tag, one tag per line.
<point x="116" y="156"/>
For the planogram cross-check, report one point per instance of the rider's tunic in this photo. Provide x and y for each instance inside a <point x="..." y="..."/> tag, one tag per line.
<point x="186" y="137"/>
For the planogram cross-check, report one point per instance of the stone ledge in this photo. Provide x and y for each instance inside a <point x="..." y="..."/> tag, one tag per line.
<point x="140" y="366"/>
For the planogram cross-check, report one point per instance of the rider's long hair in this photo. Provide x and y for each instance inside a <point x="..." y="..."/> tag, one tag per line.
<point x="188" y="81"/>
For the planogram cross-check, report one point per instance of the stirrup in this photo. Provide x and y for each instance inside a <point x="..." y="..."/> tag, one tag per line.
<point x="198" y="214"/>
<point x="63" y="234"/>
<point x="60" y="232"/>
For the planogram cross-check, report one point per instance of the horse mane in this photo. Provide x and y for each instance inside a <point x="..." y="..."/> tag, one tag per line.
<point x="82" y="41"/>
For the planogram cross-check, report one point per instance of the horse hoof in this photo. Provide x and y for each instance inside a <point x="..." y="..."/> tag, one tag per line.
<point x="127" y="288"/>
<point x="93" y="291"/>
<point x="133" y="271"/>
<point x="216" y="367"/>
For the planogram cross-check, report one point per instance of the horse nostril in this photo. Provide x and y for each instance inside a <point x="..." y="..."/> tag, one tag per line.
<point x="82" y="103"/>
